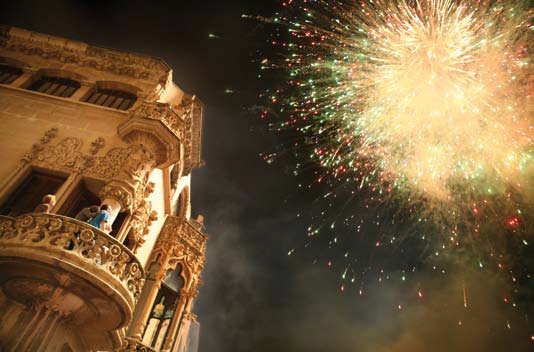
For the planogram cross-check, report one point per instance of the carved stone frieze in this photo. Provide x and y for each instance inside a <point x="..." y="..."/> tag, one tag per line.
<point x="81" y="54"/>
<point x="109" y="166"/>
<point x="129" y="163"/>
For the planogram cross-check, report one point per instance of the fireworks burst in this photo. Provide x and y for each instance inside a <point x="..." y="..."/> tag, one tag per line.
<point x="425" y="104"/>
<point x="431" y="93"/>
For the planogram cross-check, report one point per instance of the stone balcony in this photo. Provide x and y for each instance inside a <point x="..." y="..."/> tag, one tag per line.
<point x="132" y="345"/>
<point x="64" y="281"/>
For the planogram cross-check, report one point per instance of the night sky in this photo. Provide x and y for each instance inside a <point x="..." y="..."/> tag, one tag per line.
<point x="255" y="297"/>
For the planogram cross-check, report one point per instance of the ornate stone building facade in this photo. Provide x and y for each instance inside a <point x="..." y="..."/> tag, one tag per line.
<point x="82" y="126"/>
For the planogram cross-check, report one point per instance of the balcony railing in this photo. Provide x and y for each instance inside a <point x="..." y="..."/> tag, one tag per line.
<point x="132" y="345"/>
<point x="74" y="241"/>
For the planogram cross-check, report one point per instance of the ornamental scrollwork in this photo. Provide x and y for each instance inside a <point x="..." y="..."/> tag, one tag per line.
<point x="74" y="238"/>
<point x="38" y="147"/>
<point x="142" y="218"/>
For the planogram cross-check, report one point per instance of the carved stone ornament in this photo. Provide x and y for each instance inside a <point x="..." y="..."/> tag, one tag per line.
<point x="183" y="243"/>
<point x="133" y="345"/>
<point x="74" y="239"/>
<point x="162" y="112"/>
<point x="38" y="147"/>
<point x="120" y="191"/>
<point x="130" y="163"/>
<point x="157" y="129"/>
<point x="142" y="218"/>
<point x="96" y="145"/>
<point x="81" y="54"/>
<point x="191" y="109"/>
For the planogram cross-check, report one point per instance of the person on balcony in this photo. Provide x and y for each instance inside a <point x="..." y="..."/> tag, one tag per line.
<point x="87" y="213"/>
<point x="100" y="221"/>
<point x="47" y="204"/>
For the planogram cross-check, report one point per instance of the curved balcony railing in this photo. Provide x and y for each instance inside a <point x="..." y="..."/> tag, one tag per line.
<point x="79" y="241"/>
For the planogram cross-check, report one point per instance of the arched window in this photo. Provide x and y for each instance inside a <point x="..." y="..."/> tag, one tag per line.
<point x="111" y="98"/>
<point x="163" y="309"/>
<point x="182" y="204"/>
<point x="175" y="176"/>
<point x="9" y="73"/>
<point x="57" y="86"/>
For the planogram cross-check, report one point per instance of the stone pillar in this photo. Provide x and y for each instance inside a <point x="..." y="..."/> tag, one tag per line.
<point x="24" y="78"/>
<point x="148" y="296"/>
<point x="63" y="193"/>
<point x="82" y="91"/>
<point x="115" y="208"/>
<point x="181" y="306"/>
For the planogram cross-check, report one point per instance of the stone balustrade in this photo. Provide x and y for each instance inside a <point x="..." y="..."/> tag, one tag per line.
<point x="133" y="345"/>
<point x="69" y="238"/>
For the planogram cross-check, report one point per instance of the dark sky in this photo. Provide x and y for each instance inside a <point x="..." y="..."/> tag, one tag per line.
<point x="255" y="297"/>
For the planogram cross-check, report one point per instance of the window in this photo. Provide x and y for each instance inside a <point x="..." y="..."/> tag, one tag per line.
<point x="57" y="86"/>
<point x="116" y="99"/>
<point x="117" y="224"/>
<point x="30" y="193"/>
<point x="8" y="74"/>
<point x="163" y="309"/>
<point x="83" y="195"/>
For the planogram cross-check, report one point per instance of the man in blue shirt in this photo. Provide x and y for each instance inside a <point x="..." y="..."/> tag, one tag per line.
<point x="100" y="221"/>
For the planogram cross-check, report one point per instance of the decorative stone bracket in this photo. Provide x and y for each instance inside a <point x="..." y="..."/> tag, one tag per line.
<point x="157" y="128"/>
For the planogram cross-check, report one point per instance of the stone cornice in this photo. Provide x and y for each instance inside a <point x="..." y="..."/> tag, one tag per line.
<point x="78" y="53"/>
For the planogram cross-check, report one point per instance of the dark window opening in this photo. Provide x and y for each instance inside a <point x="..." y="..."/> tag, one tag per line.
<point x="80" y="197"/>
<point x="59" y="87"/>
<point x="8" y="74"/>
<point x="117" y="224"/>
<point x="110" y="98"/>
<point x="163" y="309"/>
<point x="128" y="243"/>
<point x="30" y="192"/>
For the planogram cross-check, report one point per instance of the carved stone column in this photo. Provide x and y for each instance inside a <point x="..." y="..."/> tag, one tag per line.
<point x="118" y="196"/>
<point x="182" y="307"/>
<point x="148" y="296"/>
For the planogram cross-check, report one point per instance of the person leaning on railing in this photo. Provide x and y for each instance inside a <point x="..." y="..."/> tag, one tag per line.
<point x="100" y="220"/>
